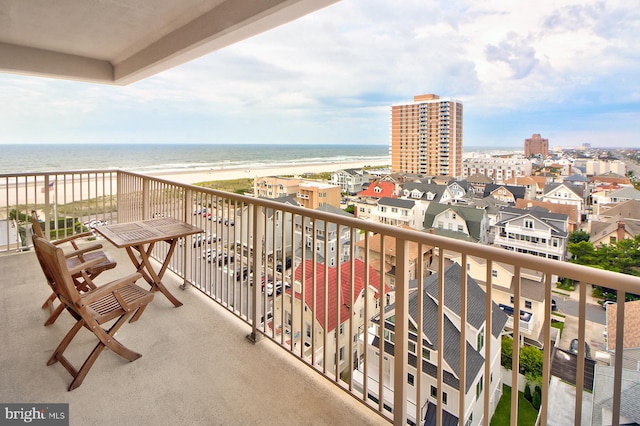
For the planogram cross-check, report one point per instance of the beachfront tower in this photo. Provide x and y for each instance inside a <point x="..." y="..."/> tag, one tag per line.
<point x="536" y="145"/>
<point x="426" y="136"/>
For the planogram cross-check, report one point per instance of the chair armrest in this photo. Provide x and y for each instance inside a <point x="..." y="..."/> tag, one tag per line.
<point x="84" y="266"/>
<point x="71" y="238"/>
<point x="82" y="251"/>
<point x="93" y="295"/>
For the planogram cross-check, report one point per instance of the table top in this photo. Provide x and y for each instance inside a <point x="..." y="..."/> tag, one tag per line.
<point x="146" y="231"/>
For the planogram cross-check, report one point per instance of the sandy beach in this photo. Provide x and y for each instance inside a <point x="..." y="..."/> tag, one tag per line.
<point x="31" y="190"/>
<point x="191" y="177"/>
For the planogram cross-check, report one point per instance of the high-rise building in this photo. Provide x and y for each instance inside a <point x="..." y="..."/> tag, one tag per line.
<point x="426" y="136"/>
<point x="536" y="145"/>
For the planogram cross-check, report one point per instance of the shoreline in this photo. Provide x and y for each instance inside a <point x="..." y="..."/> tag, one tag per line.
<point x="195" y="176"/>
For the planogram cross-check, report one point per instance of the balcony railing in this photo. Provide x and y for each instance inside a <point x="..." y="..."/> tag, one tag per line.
<point x="323" y="312"/>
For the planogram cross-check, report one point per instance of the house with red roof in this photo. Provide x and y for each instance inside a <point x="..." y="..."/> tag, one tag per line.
<point x="367" y="199"/>
<point x="307" y="323"/>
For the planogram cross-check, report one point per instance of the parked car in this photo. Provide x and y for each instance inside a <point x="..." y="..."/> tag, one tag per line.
<point x="554" y="305"/>
<point x="225" y="259"/>
<point x="573" y="348"/>
<point x="606" y="304"/>
<point x="287" y="264"/>
<point x="243" y="273"/>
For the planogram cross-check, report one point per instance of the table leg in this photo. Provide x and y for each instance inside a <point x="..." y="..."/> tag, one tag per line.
<point x="146" y="269"/>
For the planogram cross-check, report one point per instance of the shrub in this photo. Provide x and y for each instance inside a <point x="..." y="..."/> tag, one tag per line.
<point x="536" y="400"/>
<point x="527" y="392"/>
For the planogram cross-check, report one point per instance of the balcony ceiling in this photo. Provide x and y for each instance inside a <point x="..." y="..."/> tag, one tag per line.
<point x="123" y="41"/>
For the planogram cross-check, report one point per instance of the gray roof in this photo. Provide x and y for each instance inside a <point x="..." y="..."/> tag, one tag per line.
<point x="578" y="190"/>
<point x="472" y="216"/>
<point x="425" y="188"/>
<point x="603" y="396"/>
<point x="517" y="191"/>
<point x="629" y="209"/>
<point x="628" y="192"/>
<point x="396" y="202"/>
<point x="577" y="178"/>
<point x="333" y="209"/>
<point x="539" y="213"/>
<point x="475" y="317"/>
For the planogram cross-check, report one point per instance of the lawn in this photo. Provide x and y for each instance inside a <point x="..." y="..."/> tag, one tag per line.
<point x="527" y="415"/>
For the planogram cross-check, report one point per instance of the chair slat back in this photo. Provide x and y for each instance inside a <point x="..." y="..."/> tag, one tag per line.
<point x="54" y="266"/>
<point x="35" y="224"/>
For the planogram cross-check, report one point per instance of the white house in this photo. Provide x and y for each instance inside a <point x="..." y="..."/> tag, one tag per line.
<point x="423" y="347"/>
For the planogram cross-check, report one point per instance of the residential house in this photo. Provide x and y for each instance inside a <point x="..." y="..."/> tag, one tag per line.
<point x="310" y="327"/>
<point x="502" y="284"/>
<point x="424" y="347"/>
<point x="397" y="212"/>
<point x="613" y="196"/>
<point x="277" y="230"/>
<point x="496" y="168"/>
<point x="603" y="385"/>
<point x="573" y="216"/>
<point x="374" y="246"/>
<point x="332" y="245"/>
<point x="275" y="187"/>
<point x="478" y="182"/>
<point x="611" y="232"/>
<point x="611" y="178"/>
<point x="631" y="338"/>
<point x="506" y="193"/>
<point x="312" y="194"/>
<point x="534" y="231"/>
<point x="534" y="185"/>
<point x="468" y="223"/>
<point x="564" y="193"/>
<point x="350" y="181"/>
<point x="426" y="192"/>
<point x="368" y="198"/>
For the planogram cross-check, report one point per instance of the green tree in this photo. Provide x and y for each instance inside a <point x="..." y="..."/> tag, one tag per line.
<point x="577" y="236"/>
<point x="531" y="362"/>
<point x="507" y="352"/>
<point x="350" y="208"/>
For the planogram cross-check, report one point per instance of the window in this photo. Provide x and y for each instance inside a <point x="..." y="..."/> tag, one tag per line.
<point x="494" y="273"/>
<point x="479" y="387"/>
<point x="341" y="329"/>
<point x="389" y="336"/>
<point x="434" y="392"/>
<point x="468" y="266"/>
<point x="470" y="421"/>
<point x="412" y="347"/>
<point x="527" y="304"/>
<point x="440" y="224"/>
<point x="342" y="353"/>
<point x="444" y="398"/>
<point x="426" y="354"/>
<point x="480" y="339"/>
<point x="528" y="223"/>
<point x="410" y="379"/>
<point x="460" y="228"/>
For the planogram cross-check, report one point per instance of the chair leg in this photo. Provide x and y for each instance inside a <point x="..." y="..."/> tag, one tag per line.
<point x="106" y="340"/>
<point x="54" y="315"/>
<point x="57" y="354"/>
<point x="138" y="313"/>
<point x="49" y="301"/>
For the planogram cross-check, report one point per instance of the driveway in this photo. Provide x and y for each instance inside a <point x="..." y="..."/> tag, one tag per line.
<point x="562" y="403"/>
<point x="594" y="334"/>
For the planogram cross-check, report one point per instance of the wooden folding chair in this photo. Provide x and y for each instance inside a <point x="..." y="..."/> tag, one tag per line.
<point x="74" y="258"/>
<point x="117" y="300"/>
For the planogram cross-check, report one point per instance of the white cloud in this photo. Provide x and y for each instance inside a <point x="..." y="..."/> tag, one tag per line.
<point x="343" y="66"/>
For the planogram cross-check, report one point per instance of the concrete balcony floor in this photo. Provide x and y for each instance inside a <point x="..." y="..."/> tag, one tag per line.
<point x="197" y="367"/>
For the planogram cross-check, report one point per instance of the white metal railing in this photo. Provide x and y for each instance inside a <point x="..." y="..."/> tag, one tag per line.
<point x="321" y="306"/>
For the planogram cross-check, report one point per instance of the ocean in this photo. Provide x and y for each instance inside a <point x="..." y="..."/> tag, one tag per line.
<point x="149" y="158"/>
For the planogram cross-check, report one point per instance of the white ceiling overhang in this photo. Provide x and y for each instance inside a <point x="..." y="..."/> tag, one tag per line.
<point x="123" y="41"/>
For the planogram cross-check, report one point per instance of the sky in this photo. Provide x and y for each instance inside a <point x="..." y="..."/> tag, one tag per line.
<point x="569" y="70"/>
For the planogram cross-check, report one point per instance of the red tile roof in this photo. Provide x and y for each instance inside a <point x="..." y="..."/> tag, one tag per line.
<point x="344" y="290"/>
<point x="385" y="189"/>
